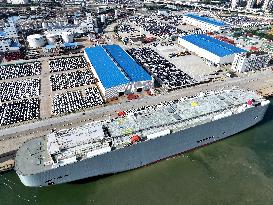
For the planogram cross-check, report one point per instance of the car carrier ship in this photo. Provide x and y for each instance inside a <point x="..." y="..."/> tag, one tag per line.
<point x="137" y="137"/>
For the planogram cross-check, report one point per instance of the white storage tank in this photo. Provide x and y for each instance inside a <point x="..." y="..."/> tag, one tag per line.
<point x="36" y="41"/>
<point x="67" y="37"/>
<point x="51" y="39"/>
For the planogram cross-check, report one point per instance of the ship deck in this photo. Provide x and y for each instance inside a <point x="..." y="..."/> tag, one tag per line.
<point x="36" y="155"/>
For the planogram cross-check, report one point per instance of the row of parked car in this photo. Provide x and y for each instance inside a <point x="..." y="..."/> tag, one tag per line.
<point x="70" y="80"/>
<point x="185" y="53"/>
<point x="67" y="63"/>
<point x="15" y="90"/>
<point x="164" y="71"/>
<point x="11" y="71"/>
<point x="19" y="111"/>
<point x="70" y="102"/>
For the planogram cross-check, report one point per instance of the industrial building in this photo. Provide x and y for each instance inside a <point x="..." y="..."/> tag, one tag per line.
<point x="8" y="44"/>
<point x="36" y="41"/>
<point x="9" y="37"/>
<point x="117" y="72"/>
<point x="10" y="29"/>
<point x="205" y="23"/>
<point x="78" y="27"/>
<point x="244" y="62"/>
<point x="213" y="50"/>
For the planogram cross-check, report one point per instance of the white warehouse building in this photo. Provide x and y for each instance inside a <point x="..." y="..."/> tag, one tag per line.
<point x="116" y="71"/>
<point x="213" y="50"/>
<point x="205" y="23"/>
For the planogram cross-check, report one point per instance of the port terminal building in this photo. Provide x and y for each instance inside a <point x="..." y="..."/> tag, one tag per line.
<point x="116" y="71"/>
<point x="213" y="50"/>
<point x="205" y="23"/>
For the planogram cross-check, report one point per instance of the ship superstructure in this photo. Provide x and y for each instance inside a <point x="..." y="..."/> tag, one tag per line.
<point x="137" y="137"/>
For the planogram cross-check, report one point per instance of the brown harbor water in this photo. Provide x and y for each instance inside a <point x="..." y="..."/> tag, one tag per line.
<point x="238" y="170"/>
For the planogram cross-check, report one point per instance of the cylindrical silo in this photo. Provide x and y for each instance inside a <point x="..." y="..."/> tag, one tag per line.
<point x="67" y="37"/>
<point x="36" y="41"/>
<point x="51" y="39"/>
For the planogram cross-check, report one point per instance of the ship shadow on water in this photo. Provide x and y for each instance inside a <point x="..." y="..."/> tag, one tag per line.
<point x="91" y="179"/>
<point x="267" y="118"/>
<point x="268" y="115"/>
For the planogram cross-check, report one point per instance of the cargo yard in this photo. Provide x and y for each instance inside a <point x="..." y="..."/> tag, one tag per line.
<point x="62" y="75"/>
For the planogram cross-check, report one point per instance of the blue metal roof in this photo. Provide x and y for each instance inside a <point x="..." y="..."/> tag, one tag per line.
<point x="134" y="71"/>
<point x="114" y="66"/>
<point x="70" y="44"/>
<point x="14" y="44"/>
<point x="108" y="72"/>
<point x="50" y="47"/>
<point x="207" y="20"/>
<point x="215" y="46"/>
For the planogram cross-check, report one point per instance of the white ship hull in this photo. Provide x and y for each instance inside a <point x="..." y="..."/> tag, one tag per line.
<point x="149" y="151"/>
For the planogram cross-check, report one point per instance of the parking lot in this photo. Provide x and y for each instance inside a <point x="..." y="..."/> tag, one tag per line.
<point x="70" y="102"/>
<point x="41" y="89"/>
<point x="16" y="90"/>
<point x="166" y="73"/>
<point x="191" y="64"/>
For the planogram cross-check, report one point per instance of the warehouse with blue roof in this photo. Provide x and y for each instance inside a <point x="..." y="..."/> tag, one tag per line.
<point x="117" y="72"/>
<point x="204" y="23"/>
<point x="212" y="49"/>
